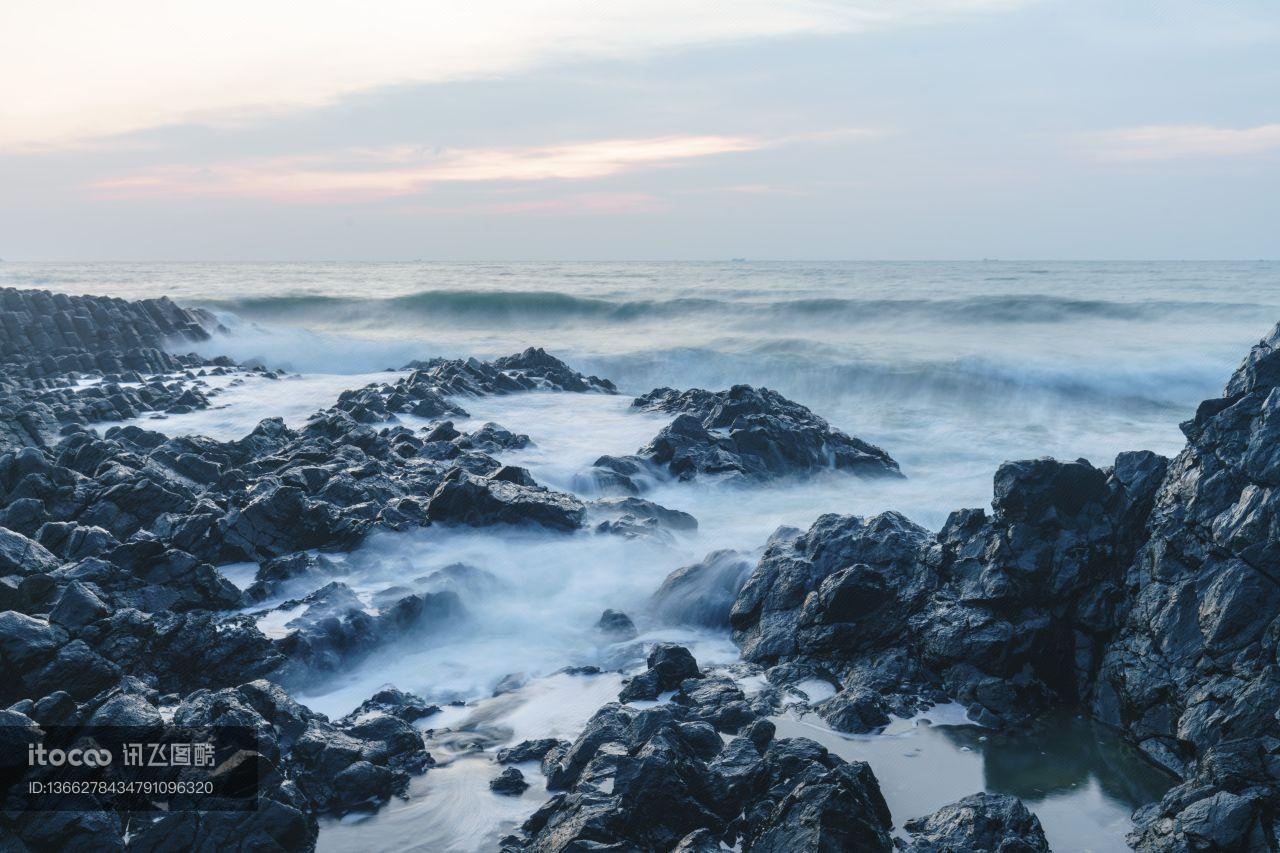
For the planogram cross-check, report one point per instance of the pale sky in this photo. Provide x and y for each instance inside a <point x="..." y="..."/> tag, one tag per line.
<point x="563" y="129"/>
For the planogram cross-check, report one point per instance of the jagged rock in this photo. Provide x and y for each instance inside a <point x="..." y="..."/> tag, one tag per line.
<point x="510" y="782"/>
<point x="77" y="606"/>
<point x="397" y="703"/>
<point x="651" y="780"/>
<point x="531" y="370"/>
<point x="982" y="823"/>
<point x="26" y="641"/>
<point x="668" y="665"/>
<point x="634" y="517"/>
<point x="467" y="499"/>
<point x="867" y="574"/>
<point x="22" y="556"/>
<point x="529" y="750"/>
<point x="336" y="630"/>
<point x="752" y="433"/>
<point x="854" y="710"/>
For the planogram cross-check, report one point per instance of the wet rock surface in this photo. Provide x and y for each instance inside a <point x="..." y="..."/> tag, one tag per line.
<point x="992" y="823"/>
<point x="744" y="433"/>
<point x="664" y="778"/>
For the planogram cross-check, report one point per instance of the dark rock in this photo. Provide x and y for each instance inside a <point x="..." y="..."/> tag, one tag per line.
<point x="77" y="606"/>
<point x="668" y="665"/>
<point x="983" y="823"/>
<point x="773" y="616"/>
<point x="510" y="782"/>
<point x="22" y="556"/>
<point x="752" y="433"/>
<point x="529" y="750"/>
<point x="127" y="709"/>
<point x="26" y="642"/>
<point x="649" y="780"/>
<point x="466" y="499"/>
<point x="398" y="703"/>
<point x="616" y="626"/>
<point x="854" y="710"/>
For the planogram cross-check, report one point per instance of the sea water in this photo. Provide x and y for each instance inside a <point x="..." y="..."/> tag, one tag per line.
<point x="950" y="367"/>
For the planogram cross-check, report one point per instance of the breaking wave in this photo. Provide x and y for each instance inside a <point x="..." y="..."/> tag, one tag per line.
<point x="489" y="307"/>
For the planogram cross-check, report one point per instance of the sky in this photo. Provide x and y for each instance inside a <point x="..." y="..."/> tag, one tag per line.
<point x="563" y="129"/>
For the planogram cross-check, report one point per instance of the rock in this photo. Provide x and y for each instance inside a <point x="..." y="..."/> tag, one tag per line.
<point x="335" y="630"/>
<point x="640" y="509"/>
<point x="650" y="780"/>
<point x="754" y="434"/>
<point x="702" y="594"/>
<point x="616" y="626"/>
<point x="769" y="617"/>
<point x="492" y="438"/>
<point x="668" y="665"/>
<point x="510" y="782"/>
<point x="77" y="606"/>
<point x="127" y="710"/>
<point x="855" y="710"/>
<point x="398" y="703"/>
<point x="466" y="499"/>
<point x="76" y="669"/>
<point x="531" y="370"/>
<point x="983" y="823"/>
<point x="26" y="641"/>
<point x="72" y="541"/>
<point x="514" y="474"/>
<point x="529" y="750"/>
<point x="22" y="556"/>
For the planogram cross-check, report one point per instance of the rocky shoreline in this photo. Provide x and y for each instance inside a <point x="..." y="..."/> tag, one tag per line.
<point x="1145" y="594"/>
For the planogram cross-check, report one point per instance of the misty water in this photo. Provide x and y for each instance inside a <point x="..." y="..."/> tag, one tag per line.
<point x="952" y="368"/>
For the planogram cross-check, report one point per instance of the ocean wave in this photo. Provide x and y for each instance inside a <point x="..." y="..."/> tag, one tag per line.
<point x="1168" y="389"/>
<point x="551" y="307"/>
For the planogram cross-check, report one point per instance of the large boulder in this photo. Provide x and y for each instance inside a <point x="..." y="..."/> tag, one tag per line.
<point x="981" y="823"/>
<point x="752" y="433"/>
<point x="481" y="501"/>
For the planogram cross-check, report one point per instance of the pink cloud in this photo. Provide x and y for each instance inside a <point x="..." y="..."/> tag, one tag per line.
<point x="401" y="171"/>
<point x="1170" y="142"/>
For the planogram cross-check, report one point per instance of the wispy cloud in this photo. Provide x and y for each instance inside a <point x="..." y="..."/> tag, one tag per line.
<point x="370" y="174"/>
<point x="384" y="173"/>
<point x="74" y="71"/>
<point x="1173" y="142"/>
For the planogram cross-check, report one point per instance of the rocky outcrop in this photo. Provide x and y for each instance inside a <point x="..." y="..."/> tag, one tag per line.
<point x="47" y="333"/>
<point x="480" y="501"/>
<point x="1147" y="594"/>
<point x="531" y="370"/>
<point x="663" y="778"/>
<point x="981" y="823"/>
<point x="1194" y="675"/>
<point x="67" y="361"/>
<point x="336" y="630"/>
<point x="745" y="434"/>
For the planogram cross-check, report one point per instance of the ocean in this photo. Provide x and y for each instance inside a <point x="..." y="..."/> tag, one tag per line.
<point x="952" y="368"/>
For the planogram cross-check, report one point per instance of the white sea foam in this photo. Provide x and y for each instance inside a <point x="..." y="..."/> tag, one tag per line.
<point x="238" y="409"/>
